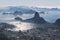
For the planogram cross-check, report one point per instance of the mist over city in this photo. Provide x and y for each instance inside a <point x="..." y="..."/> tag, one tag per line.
<point x="29" y="19"/>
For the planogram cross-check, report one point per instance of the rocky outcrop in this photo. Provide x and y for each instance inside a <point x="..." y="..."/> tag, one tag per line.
<point x="36" y="19"/>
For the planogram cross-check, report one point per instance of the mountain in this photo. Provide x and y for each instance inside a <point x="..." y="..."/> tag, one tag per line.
<point x="18" y="13"/>
<point x="55" y="9"/>
<point x="6" y="26"/>
<point x="57" y="22"/>
<point x="35" y="19"/>
<point x="18" y="18"/>
<point x="40" y="9"/>
<point x="13" y="9"/>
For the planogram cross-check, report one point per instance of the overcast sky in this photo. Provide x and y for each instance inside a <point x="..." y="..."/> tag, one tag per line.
<point x="37" y="3"/>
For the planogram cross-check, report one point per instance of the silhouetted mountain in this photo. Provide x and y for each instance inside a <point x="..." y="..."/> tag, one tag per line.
<point x="6" y="26"/>
<point x="18" y="18"/>
<point x="55" y="9"/>
<point x="24" y="9"/>
<point x="57" y="22"/>
<point x="18" y="13"/>
<point x="15" y="13"/>
<point x="35" y="19"/>
<point x="5" y="13"/>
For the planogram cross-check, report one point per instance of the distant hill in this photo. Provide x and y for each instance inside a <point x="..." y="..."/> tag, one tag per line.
<point x="23" y="9"/>
<point x="6" y="26"/>
<point x="57" y="22"/>
<point x="35" y="19"/>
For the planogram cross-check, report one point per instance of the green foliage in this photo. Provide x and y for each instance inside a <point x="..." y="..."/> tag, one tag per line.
<point x="3" y="37"/>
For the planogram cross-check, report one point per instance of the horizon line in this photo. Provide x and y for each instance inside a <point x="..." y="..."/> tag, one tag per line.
<point x="32" y="6"/>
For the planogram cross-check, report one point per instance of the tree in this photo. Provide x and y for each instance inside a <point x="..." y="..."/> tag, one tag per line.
<point x="3" y="37"/>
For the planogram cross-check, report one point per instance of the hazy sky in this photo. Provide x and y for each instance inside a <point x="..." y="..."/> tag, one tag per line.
<point x="37" y="3"/>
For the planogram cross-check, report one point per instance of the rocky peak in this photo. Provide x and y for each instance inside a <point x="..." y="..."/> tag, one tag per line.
<point x="36" y="15"/>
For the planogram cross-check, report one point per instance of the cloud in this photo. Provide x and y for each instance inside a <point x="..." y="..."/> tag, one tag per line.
<point x="37" y="3"/>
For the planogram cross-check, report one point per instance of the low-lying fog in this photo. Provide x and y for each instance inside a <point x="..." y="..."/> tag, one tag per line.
<point x="50" y="16"/>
